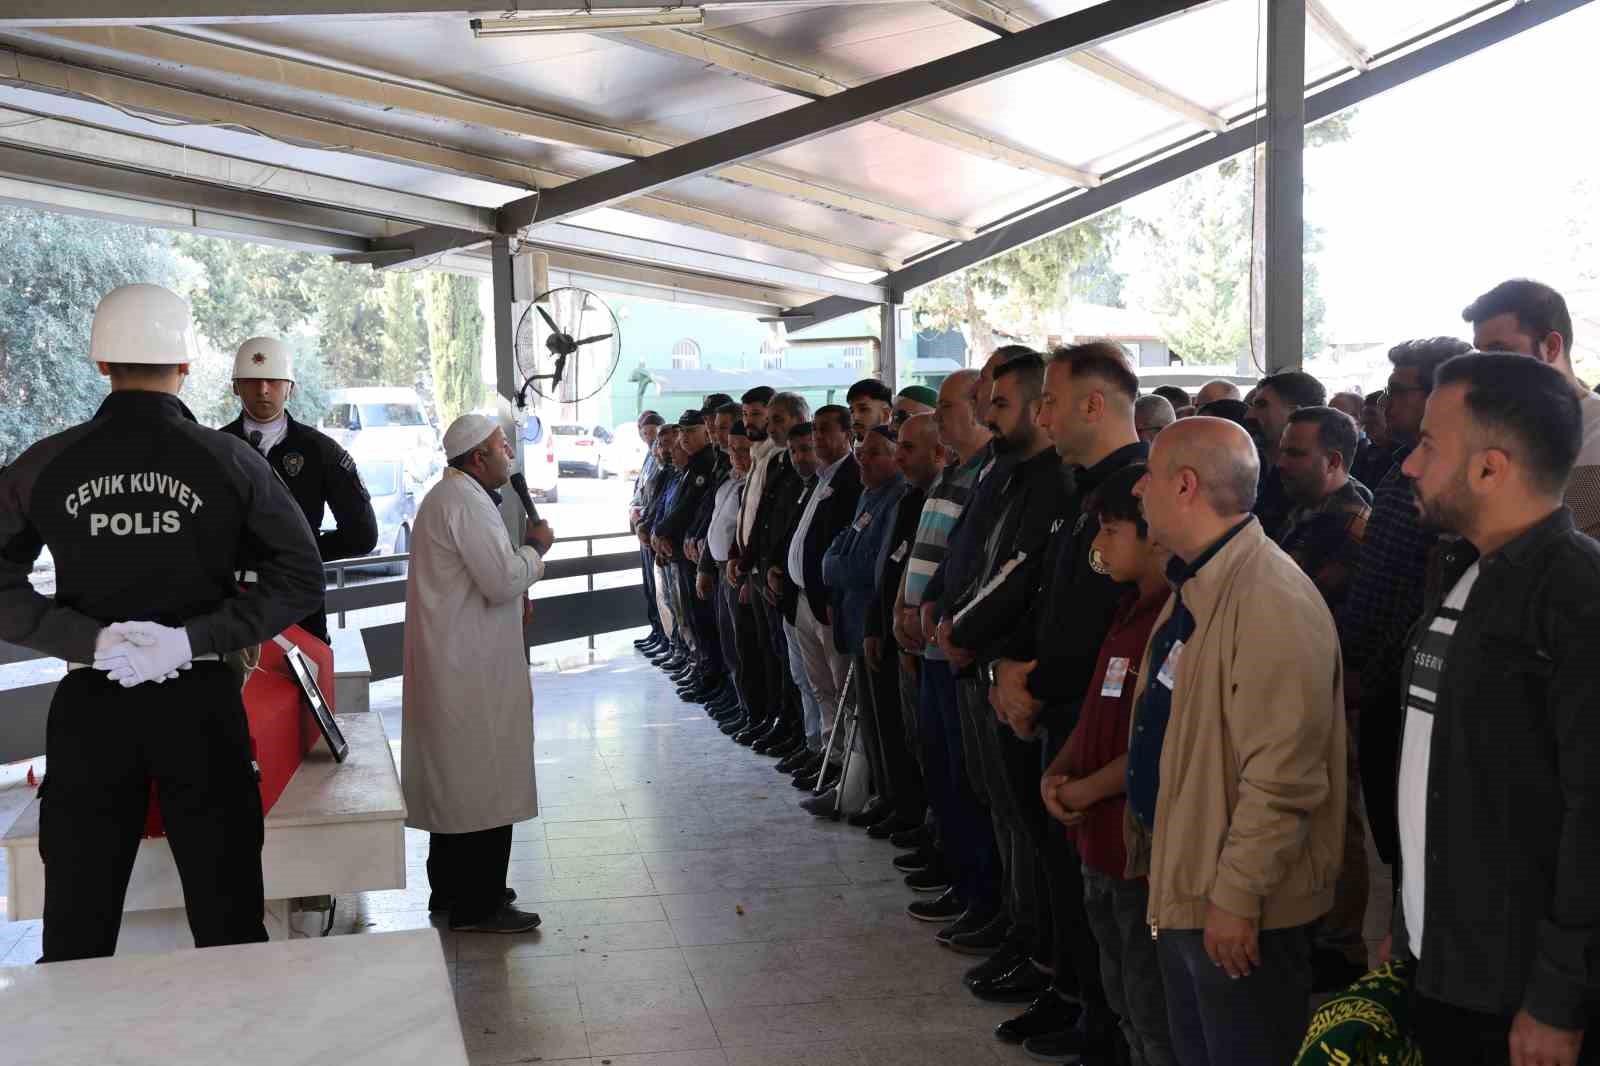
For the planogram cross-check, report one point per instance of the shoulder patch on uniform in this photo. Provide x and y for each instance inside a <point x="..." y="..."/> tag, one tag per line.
<point x="293" y="463"/>
<point x="348" y="465"/>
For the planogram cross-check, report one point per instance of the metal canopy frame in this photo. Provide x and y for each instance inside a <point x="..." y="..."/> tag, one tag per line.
<point x="895" y="92"/>
<point x="1400" y="65"/>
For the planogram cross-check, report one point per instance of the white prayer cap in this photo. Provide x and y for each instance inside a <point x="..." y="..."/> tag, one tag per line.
<point x="467" y="432"/>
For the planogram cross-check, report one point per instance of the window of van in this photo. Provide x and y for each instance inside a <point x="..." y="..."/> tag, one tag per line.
<point x="382" y="478"/>
<point x="342" y="416"/>
<point x="391" y="414"/>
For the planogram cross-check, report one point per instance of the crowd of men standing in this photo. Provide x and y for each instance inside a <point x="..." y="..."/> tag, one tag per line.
<point x="1132" y="677"/>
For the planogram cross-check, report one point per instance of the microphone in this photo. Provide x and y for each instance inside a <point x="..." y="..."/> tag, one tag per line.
<point x="519" y="485"/>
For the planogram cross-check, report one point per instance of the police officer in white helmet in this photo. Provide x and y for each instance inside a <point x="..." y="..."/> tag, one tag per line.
<point x="147" y="513"/>
<point x="317" y="471"/>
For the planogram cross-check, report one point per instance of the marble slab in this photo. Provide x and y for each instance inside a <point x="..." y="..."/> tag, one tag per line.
<point x="337" y="828"/>
<point x="373" y="1000"/>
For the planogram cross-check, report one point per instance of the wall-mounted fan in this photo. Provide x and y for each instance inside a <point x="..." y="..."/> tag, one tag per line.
<point x="567" y="346"/>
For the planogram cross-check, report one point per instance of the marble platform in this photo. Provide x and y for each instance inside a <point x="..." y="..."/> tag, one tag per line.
<point x="356" y="1001"/>
<point x="337" y="828"/>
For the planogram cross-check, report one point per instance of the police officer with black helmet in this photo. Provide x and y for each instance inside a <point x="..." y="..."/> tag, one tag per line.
<point x="147" y="514"/>
<point x="317" y="471"/>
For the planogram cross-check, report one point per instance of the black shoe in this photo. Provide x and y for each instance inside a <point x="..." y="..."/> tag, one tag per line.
<point x="968" y="921"/>
<point x="806" y="782"/>
<point x="791" y="745"/>
<point x="941" y="909"/>
<point x="1088" y="1040"/>
<point x="722" y="705"/>
<point x="752" y="732"/>
<point x="685" y="677"/>
<point x="1047" y="1015"/>
<point x="985" y="940"/>
<point x="1332" y="972"/>
<point x="872" y="813"/>
<point x="771" y="738"/>
<point x="505" y="920"/>
<point x="891" y="825"/>
<point x="735" y="726"/>
<point x="913" y="862"/>
<point x="646" y="643"/>
<point x="437" y="904"/>
<point x="794" y="760"/>
<point x="1020" y="984"/>
<point x="1003" y="961"/>
<point x="907" y="839"/>
<point x="933" y="879"/>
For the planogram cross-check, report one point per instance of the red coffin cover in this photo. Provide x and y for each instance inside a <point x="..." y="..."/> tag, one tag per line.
<point x="281" y="729"/>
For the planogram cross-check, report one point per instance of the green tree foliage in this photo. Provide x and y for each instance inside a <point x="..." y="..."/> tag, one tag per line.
<point x="1013" y="292"/>
<point x="53" y="271"/>
<point x="405" y="330"/>
<point x="455" y="339"/>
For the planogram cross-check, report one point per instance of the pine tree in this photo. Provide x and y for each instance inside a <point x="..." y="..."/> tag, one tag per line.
<point x="455" y="339"/>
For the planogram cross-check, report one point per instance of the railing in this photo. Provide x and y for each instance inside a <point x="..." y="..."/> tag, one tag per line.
<point x="28" y="678"/>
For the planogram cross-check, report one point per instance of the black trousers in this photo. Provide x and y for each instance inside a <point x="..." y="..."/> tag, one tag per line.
<point x="725" y="604"/>
<point x="895" y="776"/>
<point x="1257" y="1020"/>
<point x="753" y="654"/>
<point x="105" y="745"/>
<point x="467" y="871"/>
<point x="783" y="698"/>
<point x="702" y="618"/>
<point x="647" y="563"/>
<point x="1457" y="1036"/>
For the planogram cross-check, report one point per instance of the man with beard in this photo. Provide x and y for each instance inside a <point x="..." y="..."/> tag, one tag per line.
<point x="1531" y="319"/>
<point x="1271" y="404"/>
<point x="1329" y="519"/>
<point x="1385" y="595"/>
<point x="1091" y="395"/>
<point x="871" y="404"/>
<point x="1499" y="802"/>
<point x="1029" y="507"/>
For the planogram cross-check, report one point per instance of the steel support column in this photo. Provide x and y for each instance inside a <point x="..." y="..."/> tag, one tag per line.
<point x="888" y="348"/>
<point x="505" y="370"/>
<point x="1285" y="181"/>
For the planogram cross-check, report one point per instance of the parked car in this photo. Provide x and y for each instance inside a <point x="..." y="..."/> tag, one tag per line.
<point x="394" y="501"/>
<point x="581" y="449"/>
<point x="626" y="453"/>
<point x="539" y="464"/>
<point x="385" y="423"/>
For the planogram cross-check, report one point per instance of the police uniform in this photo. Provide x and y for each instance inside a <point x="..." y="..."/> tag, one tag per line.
<point x="317" y="471"/>
<point x="146" y="514"/>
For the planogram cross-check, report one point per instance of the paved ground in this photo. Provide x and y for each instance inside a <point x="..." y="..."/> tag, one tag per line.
<point x="693" y="916"/>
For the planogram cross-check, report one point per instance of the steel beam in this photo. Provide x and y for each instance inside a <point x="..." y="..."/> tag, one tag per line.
<point x="1407" y="64"/>
<point x="202" y="12"/>
<point x="1002" y="22"/>
<point x="896" y="92"/>
<point x="220" y="53"/>
<point x="1285" y="185"/>
<point x="167" y="102"/>
<point x="64" y="172"/>
<point x="888" y="368"/>
<point x="64" y="137"/>
<point x="1340" y="39"/>
<point x="816" y="85"/>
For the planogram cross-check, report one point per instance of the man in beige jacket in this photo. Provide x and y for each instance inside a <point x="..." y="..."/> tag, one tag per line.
<point x="1236" y="759"/>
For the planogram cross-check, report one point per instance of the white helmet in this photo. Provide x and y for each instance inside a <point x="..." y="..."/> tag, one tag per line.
<point x="142" y="324"/>
<point x="263" y="357"/>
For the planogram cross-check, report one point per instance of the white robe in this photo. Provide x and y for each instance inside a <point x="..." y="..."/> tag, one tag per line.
<point x="467" y="747"/>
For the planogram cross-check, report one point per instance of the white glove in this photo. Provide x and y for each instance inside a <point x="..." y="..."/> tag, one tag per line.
<point x="147" y="651"/>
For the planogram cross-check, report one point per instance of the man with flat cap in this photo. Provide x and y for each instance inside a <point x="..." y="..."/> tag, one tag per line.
<point x="467" y="755"/>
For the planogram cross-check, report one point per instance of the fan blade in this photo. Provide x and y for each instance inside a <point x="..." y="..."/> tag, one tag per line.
<point x="548" y="320"/>
<point x="591" y="340"/>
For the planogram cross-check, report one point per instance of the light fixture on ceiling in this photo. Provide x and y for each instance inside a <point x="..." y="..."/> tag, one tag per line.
<point x="587" y="22"/>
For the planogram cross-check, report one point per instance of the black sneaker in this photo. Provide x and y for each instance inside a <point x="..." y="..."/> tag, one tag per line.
<point x="505" y="920"/>
<point x="968" y="921"/>
<point x="916" y="861"/>
<point x="912" y="838"/>
<point x="943" y="909"/>
<point x="932" y="879"/>
<point x="986" y="940"/>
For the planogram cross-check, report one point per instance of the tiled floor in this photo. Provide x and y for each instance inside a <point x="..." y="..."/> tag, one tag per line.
<point x="693" y="916"/>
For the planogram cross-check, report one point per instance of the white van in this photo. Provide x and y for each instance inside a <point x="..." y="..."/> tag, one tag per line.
<point x="385" y="423"/>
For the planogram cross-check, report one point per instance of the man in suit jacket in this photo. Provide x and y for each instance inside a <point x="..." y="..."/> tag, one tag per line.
<point x="829" y="507"/>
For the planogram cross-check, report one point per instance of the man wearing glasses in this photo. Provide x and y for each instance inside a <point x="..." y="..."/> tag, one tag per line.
<point x="1383" y="601"/>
